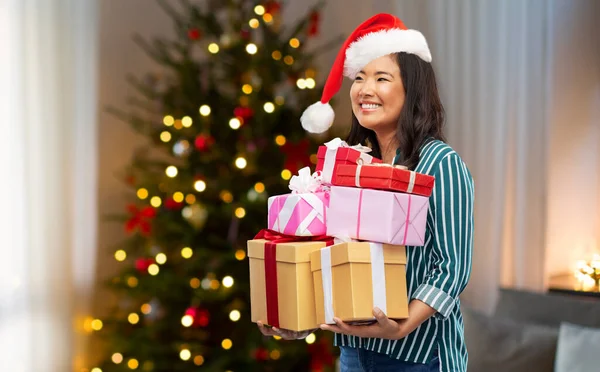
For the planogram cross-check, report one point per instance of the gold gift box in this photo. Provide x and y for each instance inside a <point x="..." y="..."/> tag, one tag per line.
<point x="352" y="288"/>
<point x="296" y="298"/>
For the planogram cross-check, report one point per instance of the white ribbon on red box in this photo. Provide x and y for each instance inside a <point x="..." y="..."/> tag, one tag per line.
<point x="332" y="147"/>
<point x="411" y="182"/>
<point x="377" y="280"/>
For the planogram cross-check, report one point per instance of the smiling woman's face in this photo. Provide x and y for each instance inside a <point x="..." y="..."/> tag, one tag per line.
<point x="377" y="94"/>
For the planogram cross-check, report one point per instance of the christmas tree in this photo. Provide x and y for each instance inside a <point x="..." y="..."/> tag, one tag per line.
<point x="223" y="122"/>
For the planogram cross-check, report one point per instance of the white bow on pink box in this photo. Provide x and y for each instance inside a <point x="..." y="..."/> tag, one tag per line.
<point x="304" y="211"/>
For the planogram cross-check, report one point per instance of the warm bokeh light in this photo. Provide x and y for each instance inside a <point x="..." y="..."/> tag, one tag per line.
<point x="120" y="255"/>
<point x="204" y="110"/>
<point x="132" y="363"/>
<point x="190" y="198"/>
<point x="251" y="48"/>
<point x="187" y="321"/>
<point x="133" y="318"/>
<point x="310" y="83"/>
<point x="213" y="48"/>
<point x="171" y="171"/>
<point x="241" y="163"/>
<point x="259" y="187"/>
<point x="142" y="193"/>
<point x="187" y="252"/>
<point x="117" y="358"/>
<point x="269" y="107"/>
<point x="234" y="315"/>
<point x="195" y="283"/>
<point x="132" y="281"/>
<point x="280" y="100"/>
<point x="155" y="201"/>
<point x="153" y="269"/>
<point x="165" y="136"/>
<point x="268" y="18"/>
<point x="185" y="354"/>
<point x="259" y="10"/>
<point x="228" y="282"/>
<point x="240" y="254"/>
<point x="186" y="121"/>
<point x="168" y="120"/>
<point x="235" y="123"/>
<point x="301" y="83"/>
<point x="226" y="196"/>
<point x="280" y="140"/>
<point x="247" y="88"/>
<point x="146" y="309"/>
<point x="288" y="60"/>
<point x="200" y="185"/>
<point x="276" y="55"/>
<point x="97" y="324"/>
<point x="310" y="339"/>
<point x="226" y="344"/>
<point x="286" y="174"/>
<point x="198" y="360"/>
<point x="275" y="354"/>
<point x="161" y="258"/>
<point x="240" y="212"/>
<point x="178" y="196"/>
<point x="294" y="43"/>
<point x="254" y="23"/>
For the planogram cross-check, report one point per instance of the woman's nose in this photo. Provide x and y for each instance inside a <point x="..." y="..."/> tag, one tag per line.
<point x="367" y="88"/>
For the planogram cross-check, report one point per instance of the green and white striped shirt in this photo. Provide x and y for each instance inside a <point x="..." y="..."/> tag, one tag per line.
<point x="439" y="271"/>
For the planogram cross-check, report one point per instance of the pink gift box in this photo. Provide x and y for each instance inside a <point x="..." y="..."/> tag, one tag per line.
<point x="377" y="216"/>
<point x="299" y="214"/>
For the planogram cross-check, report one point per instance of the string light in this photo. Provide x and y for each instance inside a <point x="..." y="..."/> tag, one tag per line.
<point x="286" y="174"/>
<point x="214" y="284"/>
<point x="240" y="212"/>
<point x="226" y="344"/>
<point x="268" y="18"/>
<point x="227" y="282"/>
<point x="234" y="315"/>
<point x="142" y="193"/>
<point x="153" y="269"/>
<point x="178" y="196"/>
<point x="247" y="88"/>
<point x="146" y="309"/>
<point x="240" y="254"/>
<point x="251" y="48"/>
<point x="96" y="370"/>
<point x="186" y="121"/>
<point x="117" y="358"/>
<point x="213" y="48"/>
<point x="187" y="252"/>
<point x="165" y="136"/>
<point x="187" y="320"/>
<point x="310" y="339"/>
<point x="294" y="43"/>
<point x="161" y="258"/>
<point x="310" y="83"/>
<point x="259" y="10"/>
<point x="288" y="60"/>
<point x="301" y="83"/>
<point x="155" y="201"/>
<point x="171" y="171"/>
<point x="97" y="324"/>
<point x="195" y="283"/>
<point x="259" y="187"/>
<point x="200" y="185"/>
<point x="132" y="281"/>
<point x="269" y="107"/>
<point x="280" y="140"/>
<point x="235" y="123"/>
<point x="120" y="255"/>
<point x="280" y="100"/>
<point x="190" y="198"/>
<point x="241" y="163"/>
<point x="133" y="318"/>
<point x="226" y="196"/>
<point x="133" y="363"/>
<point x="254" y="23"/>
<point x="204" y="110"/>
<point x="275" y="354"/>
<point x="168" y="120"/>
<point x="185" y="354"/>
<point x="276" y="55"/>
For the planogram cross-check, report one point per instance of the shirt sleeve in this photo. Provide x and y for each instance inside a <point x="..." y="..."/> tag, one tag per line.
<point x="451" y="224"/>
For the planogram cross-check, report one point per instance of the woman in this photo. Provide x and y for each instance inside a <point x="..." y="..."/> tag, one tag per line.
<point x="397" y="111"/>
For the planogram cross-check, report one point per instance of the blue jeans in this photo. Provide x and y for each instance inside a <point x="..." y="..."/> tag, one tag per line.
<point x="361" y="360"/>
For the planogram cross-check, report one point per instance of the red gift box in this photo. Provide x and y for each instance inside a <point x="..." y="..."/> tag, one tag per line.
<point x="383" y="177"/>
<point x="343" y="155"/>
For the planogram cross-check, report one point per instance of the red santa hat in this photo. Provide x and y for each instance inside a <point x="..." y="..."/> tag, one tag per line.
<point x="378" y="36"/>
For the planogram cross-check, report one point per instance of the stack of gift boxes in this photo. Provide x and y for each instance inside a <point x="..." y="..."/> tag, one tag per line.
<point x="335" y="246"/>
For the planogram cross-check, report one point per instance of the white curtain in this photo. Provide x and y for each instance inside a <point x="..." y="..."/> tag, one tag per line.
<point x="504" y="68"/>
<point x="48" y="164"/>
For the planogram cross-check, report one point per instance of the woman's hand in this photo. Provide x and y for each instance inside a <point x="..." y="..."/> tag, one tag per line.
<point x="285" y="334"/>
<point x="384" y="327"/>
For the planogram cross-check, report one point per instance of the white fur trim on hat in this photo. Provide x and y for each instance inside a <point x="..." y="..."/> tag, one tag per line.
<point x="317" y="118"/>
<point x="381" y="43"/>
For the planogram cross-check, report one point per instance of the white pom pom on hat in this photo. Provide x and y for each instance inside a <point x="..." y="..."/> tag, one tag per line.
<point x="378" y="36"/>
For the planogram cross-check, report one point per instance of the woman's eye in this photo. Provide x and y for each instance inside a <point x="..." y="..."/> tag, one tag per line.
<point x="357" y="78"/>
<point x="382" y="79"/>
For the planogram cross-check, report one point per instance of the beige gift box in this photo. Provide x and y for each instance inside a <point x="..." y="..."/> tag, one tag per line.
<point x="295" y="289"/>
<point x="352" y="274"/>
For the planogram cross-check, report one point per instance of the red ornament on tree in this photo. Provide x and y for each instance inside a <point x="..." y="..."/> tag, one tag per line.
<point x="201" y="317"/>
<point x="142" y="264"/>
<point x="297" y="155"/>
<point x="172" y="204"/>
<point x="261" y="354"/>
<point x="245" y="113"/>
<point x="321" y="355"/>
<point x="313" y="26"/>
<point x="272" y="7"/>
<point x="140" y="219"/>
<point x="203" y="142"/>
<point x="194" y="34"/>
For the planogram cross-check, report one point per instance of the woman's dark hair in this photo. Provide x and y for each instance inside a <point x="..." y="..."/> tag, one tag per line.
<point x="421" y="117"/>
